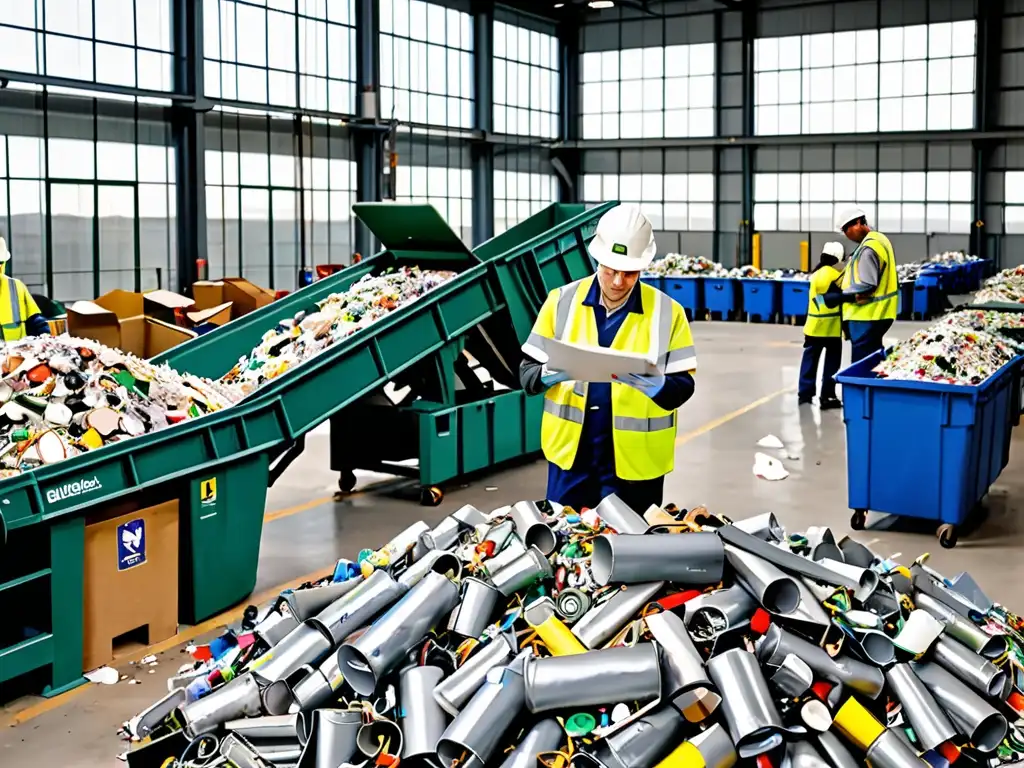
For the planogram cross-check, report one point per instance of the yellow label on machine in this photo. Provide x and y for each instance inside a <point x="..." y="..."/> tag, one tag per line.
<point x="208" y="491"/>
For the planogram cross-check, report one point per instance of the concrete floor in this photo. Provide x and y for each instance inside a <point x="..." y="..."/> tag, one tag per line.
<point x="745" y="390"/>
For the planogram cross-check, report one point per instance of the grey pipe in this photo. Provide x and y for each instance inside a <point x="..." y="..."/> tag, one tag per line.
<point x="682" y="668"/>
<point x="754" y="721"/>
<point x="453" y="692"/>
<point x="275" y="627"/>
<point x="279" y="752"/>
<point x="617" y="514"/>
<point x="964" y="630"/>
<point x="836" y="752"/>
<point x="361" y="606"/>
<point x="306" y="603"/>
<point x="643" y="742"/>
<point x="317" y="689"/>
<point x="272" y="727"/>
<point x="931" y="726"/>
<point x="974" y="717"/>
<point x="436" y="560"/>
<point x="332" y="738"/>
<point x="874" y="645"/>
<point x="980" y="674"/>
<point x="733" y="606"/>
<point x="809" y="613"/>
<point x="866" y="578"/>
<point x="306" y="644"/>
<point x="545" y="736"/>
<point x="774" y="590"/>
<point x="423" y="720"/>
<point x="855" y="553"/>
<point x="373" y="737"/>
<point x="479" y="727"/>
<point x="476" y="606"/>
<point x="802" y="754"/>
<point x="365" y="660"/>
<point x="594" y="678"/>
<point x="890" y="751"/>
<point x="923" y="582"/>
<point x="239" y="754"/>
<point x="530" y="567"/>
<point x="239" y="698"/>
<point x="682" y="558"/>
<point x="823" y="544"/>
<point x="716" y="747"/>
<point x="764" y="526"/>
<point x="513" y="550"/>
<point x="532" y="527"/>
<point x="793" y="678"/>
<point x="783" y="558"/>
<point x="602" y="622"/>
<point x="777" y="644"/>
<point x="446" y="534"/>
<point x="156" y="713"/>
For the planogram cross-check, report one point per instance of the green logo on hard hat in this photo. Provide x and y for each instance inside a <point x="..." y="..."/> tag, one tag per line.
<point x="619" y="248"/>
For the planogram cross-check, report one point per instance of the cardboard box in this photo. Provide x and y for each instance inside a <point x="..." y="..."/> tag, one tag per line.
<point x="243" y="296"/>
<point x="130" y="579"/>
<point x="143" y="324"/>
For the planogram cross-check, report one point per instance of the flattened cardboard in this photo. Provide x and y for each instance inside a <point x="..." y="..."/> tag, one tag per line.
<point x="217" y="315"/>
<point x="143" y="324"/>
<point x="146" y="595"/>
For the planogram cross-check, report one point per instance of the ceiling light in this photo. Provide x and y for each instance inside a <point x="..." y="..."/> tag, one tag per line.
<point x="598" y="4"/>
<point x="559" y="5"/>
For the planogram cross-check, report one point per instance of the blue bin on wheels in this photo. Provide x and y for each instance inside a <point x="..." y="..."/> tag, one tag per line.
<point x="905" y="307"/>
<point x="721" y="296"/>
<point x="927" y="294"/>
<point x="688" y="291"/>
<point x="794" y="299"/>
<point x="762" y="299"/>
<point x="924" y="449"/>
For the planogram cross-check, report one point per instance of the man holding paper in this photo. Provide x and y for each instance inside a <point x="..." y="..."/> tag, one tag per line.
<point x="614" y="359"/>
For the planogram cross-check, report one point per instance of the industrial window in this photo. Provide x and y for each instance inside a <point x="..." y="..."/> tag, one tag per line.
<point x="1013" y="211"/>
<point x="649" y="92"/>
<point x="426" y="82"/>
<point x="896" y="79"/>
<point x="449" y="190"/>
<point x="519" y="194"/>
<point x="115" y="42"/>
<point x="920" y="201"/>
<point x="673" y="201"/>
<point x="281" y="53"/>
<point x="269" y="211"/>
<point x="525" y="81"/>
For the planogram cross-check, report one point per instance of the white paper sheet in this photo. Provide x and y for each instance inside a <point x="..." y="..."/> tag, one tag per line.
<point x="594" y="363"/>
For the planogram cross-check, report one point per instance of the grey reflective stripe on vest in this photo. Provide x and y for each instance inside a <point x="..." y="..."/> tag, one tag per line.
<point x="675" y="355"/>
<point x="632" y="424"/>
<point x="566" y="295"/>
<point x="886" y="297"/>
<point x="663" y="328"/>
<point x="536" y="340"/>
<point x="563" y="411"/>
<point x="15" y="299"/>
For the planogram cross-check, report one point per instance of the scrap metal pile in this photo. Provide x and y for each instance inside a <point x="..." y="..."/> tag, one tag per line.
<point x="965" y="347"/>
<point x="295" y="340"/>
<point x="63" y="396"/>
<point x="1007" y="287"/>
<point x="538" y="635"/>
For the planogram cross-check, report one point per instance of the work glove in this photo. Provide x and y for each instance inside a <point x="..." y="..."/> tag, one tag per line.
<point x="650" y="384"/>
<point x="551" y="378"/>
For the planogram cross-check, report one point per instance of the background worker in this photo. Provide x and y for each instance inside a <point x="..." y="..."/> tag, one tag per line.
<point x="19" y="314"/>
<point x="619" y="437"/>
<point x="870" y="286"/>
<point x="822" y="332"/>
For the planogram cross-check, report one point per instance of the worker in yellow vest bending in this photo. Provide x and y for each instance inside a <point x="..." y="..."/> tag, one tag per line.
<point x="19" y="313"/>
<point x="870" y="285"/>
<point x="612" y="437"/>
<point x="822" y="332"/>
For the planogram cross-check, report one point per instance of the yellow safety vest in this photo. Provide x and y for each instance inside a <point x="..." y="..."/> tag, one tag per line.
<point x="882" y="301"/>
<point x="822" y="321"/>
<point x="643" y="435"/>
<point x="16" y="306"/>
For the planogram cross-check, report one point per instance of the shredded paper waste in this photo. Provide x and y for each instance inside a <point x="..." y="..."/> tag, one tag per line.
<point x="62" y="396"/>
<point x="541" y="635"/>
<point x="681" y="265"/>
<point x="1007" y="286"/>
<point x="965" y="347"/>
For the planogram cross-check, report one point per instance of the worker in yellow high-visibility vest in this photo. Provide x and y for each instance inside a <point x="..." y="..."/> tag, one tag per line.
<point x="870" y="286"/>
<point x="604" y="437"/>
<point x="19" y="314"/>
<point x="823" y="332"/>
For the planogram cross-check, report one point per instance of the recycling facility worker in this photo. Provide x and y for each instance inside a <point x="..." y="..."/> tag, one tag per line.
<point x="19" y="314"/>
<point x="612" y="437"/>
<point x="822" y="332"/>
<point x="869" y="291"/>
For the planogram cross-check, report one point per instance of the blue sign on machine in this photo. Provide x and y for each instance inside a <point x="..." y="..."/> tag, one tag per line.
<point x="131" y="544"/>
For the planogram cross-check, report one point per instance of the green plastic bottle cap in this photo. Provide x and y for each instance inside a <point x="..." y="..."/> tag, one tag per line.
<point x="580" y="724"/>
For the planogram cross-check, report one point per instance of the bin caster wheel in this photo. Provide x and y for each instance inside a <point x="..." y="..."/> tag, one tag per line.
<point x="859" y="519"/>
<point x="347" y="481"/>
<point x="947" y="536"/>
<point x="431" y="496"/>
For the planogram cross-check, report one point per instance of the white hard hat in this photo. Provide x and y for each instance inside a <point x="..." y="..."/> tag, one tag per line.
<point x="5" y="255"/>
<point x="834" y="249"/>
<point x="846" y="215"/>
<point x="624" y="240"/>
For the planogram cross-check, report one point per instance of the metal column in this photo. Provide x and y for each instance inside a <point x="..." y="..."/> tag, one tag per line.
<point x="747" y="224"/>
<point x="189" y="141"/>
<point x="569" y="110"/>
<point x="482" y="152"/>
<point x="987" y="77"/>
<point x="366" y="137"/>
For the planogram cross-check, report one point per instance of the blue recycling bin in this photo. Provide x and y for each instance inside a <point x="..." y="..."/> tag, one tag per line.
<point x="928" y="290"/>
<point x="924" y="449"/>
<point x="688" y="291"/>
<point x="762" y="299"/>
<point x="795" y="294"/>
<point x="905" y="307"/>
<point x="721" y="297"/>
